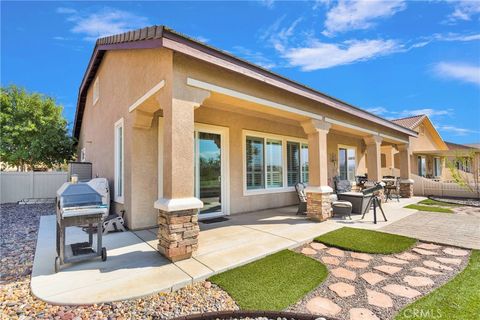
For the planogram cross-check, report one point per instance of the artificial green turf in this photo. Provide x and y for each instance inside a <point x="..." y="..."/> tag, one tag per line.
<point x="430" y="202"/>
<point x="457" y="299"/>
<point x="428" y="208"/>
<point x="272" y="283"/>
<point x="368" y="241"/>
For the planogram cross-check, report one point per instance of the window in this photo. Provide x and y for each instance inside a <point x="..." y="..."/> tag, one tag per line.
<point x="274" y="162"/>
<point x="119" y="161"/>
<point x="96" y="91"/>
<point x="422" y="166"/>
<point x="437" y="167"/>
<point x="83" y="155"/>
<point x="346" y="163"/>
<point x="255" y="164"/>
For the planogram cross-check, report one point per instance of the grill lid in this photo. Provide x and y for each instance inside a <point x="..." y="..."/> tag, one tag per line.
<point x="79" y="195"/>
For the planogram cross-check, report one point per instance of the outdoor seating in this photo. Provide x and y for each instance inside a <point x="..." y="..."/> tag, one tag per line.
<point x="358" y="200"/>
<point x="392" y="187"/>
<point x="341" y="207"/>
<point x="302" y="198"/>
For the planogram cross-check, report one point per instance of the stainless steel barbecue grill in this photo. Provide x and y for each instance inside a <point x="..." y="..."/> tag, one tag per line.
<point x="78" y="204"/>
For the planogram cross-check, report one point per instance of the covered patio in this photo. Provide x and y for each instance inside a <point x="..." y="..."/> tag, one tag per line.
<point x="135" y="268"/>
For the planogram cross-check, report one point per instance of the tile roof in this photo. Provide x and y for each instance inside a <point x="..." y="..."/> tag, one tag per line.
<point x="456" y="146"/>
<point x="410" y="122"/>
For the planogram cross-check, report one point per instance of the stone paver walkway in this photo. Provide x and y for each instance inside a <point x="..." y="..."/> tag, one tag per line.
<point x="375" y="286"/>
<point x="450" y="229"/>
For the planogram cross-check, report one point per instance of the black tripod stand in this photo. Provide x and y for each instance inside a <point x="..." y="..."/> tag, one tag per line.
<point x="375" y="201"/>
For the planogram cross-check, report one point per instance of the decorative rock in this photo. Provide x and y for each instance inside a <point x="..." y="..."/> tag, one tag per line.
<point x="317" y="246"/>
<point x="429" y="246"/>
<point x="379" y="299"/>
<point x="394" y="260"/>
<point x="331" y="260"/>
<point x="344" y="273"/>
<point x="418" y="281"/>
<point x="388" y="269"/>
<point x="407" y="256"/>
<point x="455" y="252"/>
<point x="426" y="271"/>
<point x="342" y="289"/>
<point x="362" y="314"/>
<point x="207" y="284"/>
<point x="401" y="291"/>
<point x="335" y="252"/>
<point x="323" y="306"/>
<point x="424" y="252"/>
<point x="361" y="256"/>
<point x="449" y="260"/>
<point x="436" y="265"/>
<point x="372" y="277"/>
<point x="356" y="264"/>
<point x="309" y="251"/>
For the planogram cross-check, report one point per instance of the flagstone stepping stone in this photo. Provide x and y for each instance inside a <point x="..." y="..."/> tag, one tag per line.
<point x="388" y="269"/>
<point x="342" y="289"/>
<point x="379" y="299"/>
<point x="372" y="277"/>
<point x="331" y="260"/>
<point x="317" y="245"/>
<point x="309" y="251"/>
<point x="418" y="281"/>
<point x="335" y="252"/>
<point x="394" y="260"/>
<point x="401" y="291"/>
<point x="424" y="252"/>
<point x="455" y="252"/>
<point x="408" y="256"/>
<point x="426" y="271"/>
<point x="323" y="306"/>
<point x="344" y="273"/>
<point x="362" y="314"/>
<point x="429" y="246"/>
<point x="449" y="260"/>
<point x="361" y="256"/>
<point x="436" y="265"/>
<point x="356" y="264"/>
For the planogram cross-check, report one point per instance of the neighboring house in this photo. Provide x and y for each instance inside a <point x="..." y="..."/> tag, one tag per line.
<point x="431" y="155"/>
<point x="179" y="127"/>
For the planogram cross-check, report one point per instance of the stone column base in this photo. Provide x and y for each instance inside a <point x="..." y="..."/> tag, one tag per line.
<point x="319" y="203"/>
<point x="178" y="233"/>
<point x="406" y="188"/>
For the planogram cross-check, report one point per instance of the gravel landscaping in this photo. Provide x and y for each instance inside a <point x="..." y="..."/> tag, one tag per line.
<point x="377" y="286"/>
<point x="19" y="226"/>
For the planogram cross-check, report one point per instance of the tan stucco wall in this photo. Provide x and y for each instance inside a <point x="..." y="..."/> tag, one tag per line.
<point x="124" y="76"/>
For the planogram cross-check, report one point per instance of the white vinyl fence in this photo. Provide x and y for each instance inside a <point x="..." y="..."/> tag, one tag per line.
<point x="15" y="186"/>
<point x="428" y="187"/>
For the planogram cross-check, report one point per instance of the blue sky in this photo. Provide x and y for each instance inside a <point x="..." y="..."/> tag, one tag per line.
<point x="394" y="58"/>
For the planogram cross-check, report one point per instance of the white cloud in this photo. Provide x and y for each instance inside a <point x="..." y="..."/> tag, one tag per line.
<point x="456" y="37"/>
<point x="359" y="14"/>
<point x="105" y="22"/>
<point x="458" y="71"/>
<point x="64" y="10"/>
<point x="254" y="56"/>
<point x="267" y="3"/>
<point x="201" y="39"/>
<point x="391" y="114"/>
<point x="456" y="130"/>
<point x="464" y="10"/>
<point x="378" y="110"/>
<point x="320" y="55"/>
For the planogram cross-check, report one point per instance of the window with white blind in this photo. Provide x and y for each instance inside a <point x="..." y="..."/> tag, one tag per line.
<point x="119" y="161"/>
<point x="274" y="163"/>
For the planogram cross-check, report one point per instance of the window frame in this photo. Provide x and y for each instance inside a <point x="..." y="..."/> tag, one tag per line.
<point x="119" y="197"/>
<point x="265" y="136"/>
<point x="347" y="147"/>
<point x="435" y="167"/>
<point x="96" y="91"/>
<point x="83" y="154"/>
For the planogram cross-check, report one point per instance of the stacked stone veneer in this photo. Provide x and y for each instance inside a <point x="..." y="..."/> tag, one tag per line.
<point x="178" y="233"/>
<point x="319" y="206"/>
<point x="406" y="189"/>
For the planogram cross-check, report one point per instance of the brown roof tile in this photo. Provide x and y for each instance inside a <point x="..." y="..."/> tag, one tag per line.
<point x="410" y="122"/>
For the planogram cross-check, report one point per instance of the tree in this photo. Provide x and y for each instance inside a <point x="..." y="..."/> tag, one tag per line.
<point x="469" y="181"/>
<point x="33" y="132"/>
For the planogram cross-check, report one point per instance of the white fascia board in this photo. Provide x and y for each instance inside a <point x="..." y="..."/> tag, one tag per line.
<point x="147" y="95"/>
<point x="247" y="97"/>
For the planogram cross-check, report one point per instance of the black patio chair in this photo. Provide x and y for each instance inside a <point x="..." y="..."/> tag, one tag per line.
<point x="302" y="198"/>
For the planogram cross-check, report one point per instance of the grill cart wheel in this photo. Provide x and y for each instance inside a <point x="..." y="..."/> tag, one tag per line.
<point x="104" y="254"/>
<point x="57" y="264"/>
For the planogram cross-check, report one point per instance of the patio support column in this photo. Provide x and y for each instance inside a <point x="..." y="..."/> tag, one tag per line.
<point x="406" y="183"/>
<point x="178" y="208"/>
<point x="318" y="192"/>
<point x="374" y="160"/>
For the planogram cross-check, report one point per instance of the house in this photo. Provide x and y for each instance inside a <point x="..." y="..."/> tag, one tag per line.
<point x="184" y="131"/>
<point x="431" y="156"/>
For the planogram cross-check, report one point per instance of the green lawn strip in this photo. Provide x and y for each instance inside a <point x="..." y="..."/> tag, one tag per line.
<point x="430" y="202"/>
<point x="368" y="241"/>
<point x="274" y="282"/>
<point x="428" y="208"/>
<point x="457" y="299"/>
